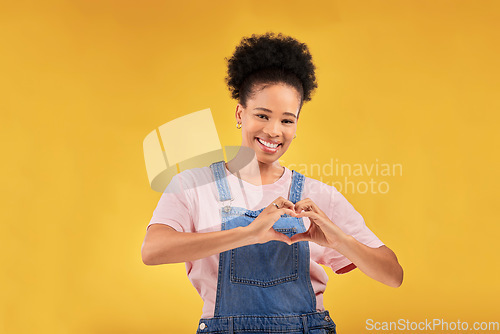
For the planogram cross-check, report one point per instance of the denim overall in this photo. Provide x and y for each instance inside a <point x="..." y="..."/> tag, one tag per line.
<point x="264" y="288"/>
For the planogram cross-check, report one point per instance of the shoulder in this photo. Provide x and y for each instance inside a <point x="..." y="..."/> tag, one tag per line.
<point x="194" y="178"/>
<point x="195" y="174"/>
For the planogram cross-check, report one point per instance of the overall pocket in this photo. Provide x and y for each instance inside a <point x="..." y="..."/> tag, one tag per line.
<point x="267" y="264"/>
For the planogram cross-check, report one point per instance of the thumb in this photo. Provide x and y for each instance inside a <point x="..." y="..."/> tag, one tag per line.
<point x="281" y="237"/>
<point x="304" y="236"/>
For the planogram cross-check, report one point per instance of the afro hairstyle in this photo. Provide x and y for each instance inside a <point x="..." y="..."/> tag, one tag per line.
<point x="270" y="59"/>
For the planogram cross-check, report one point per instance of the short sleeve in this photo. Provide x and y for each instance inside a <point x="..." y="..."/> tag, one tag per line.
<point x="350" y="221"/>
<point x="173" y="207"/>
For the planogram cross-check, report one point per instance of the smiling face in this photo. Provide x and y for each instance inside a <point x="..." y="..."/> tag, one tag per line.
<point x="269" y="121"/>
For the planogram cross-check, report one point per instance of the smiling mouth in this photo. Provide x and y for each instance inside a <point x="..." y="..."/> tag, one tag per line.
<point x="268" y="147"/>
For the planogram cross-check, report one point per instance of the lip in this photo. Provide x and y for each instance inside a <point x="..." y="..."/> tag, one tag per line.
<point x="269" y="141"/>
<point x="267" y="149"/>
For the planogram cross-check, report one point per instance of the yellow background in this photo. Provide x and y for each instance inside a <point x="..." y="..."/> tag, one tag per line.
<point x="83" y="82"/>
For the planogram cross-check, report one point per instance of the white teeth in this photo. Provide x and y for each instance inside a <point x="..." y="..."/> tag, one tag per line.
<point x="267" y="144"/>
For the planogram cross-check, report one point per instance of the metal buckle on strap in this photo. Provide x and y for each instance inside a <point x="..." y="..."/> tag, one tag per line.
<point x="227" y="205"/>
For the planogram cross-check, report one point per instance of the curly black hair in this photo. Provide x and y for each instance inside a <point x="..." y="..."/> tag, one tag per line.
<point x="270" y="58"/>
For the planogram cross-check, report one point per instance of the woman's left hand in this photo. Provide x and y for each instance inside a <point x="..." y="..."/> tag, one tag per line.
<point x="322" y="230"/>
<point x="379" y="263"/>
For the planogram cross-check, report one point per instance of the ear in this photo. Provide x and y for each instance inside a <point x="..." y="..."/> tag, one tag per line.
<point x="237" y="114"/>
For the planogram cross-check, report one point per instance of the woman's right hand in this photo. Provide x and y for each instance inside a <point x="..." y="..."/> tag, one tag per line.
<point x="163" y="244"/>
<point x="261" y="229"/>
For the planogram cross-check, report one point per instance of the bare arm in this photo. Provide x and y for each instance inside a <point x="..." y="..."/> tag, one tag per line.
<point x="379" y="263"/>
<point x="163" y="244"/>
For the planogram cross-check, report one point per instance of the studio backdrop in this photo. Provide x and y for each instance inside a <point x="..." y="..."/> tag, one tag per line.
<point x="404" y="123"/>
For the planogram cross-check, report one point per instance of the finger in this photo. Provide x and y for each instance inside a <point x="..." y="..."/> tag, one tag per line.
<point x="299" y="203"/>
<point x="304" y="236"/>
<point x="288" y="204"/>
<point x="306" y="205"/>
<point x="313" y="216"/>
<point x="280" y="202"/>
<point x="288" y="211"/>
<point x="273" y="205"/>
<point x="281" y="237"/>
<point x="309" y="214"/>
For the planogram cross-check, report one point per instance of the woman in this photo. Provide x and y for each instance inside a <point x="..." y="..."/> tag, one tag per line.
<point x="265" y="229"/>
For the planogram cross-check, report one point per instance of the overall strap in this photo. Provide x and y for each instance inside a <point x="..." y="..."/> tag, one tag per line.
<point x="219" y="173"/>
<point x="296" y="187"/>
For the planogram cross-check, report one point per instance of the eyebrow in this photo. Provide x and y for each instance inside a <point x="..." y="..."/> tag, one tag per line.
<point x="267" y="110"/>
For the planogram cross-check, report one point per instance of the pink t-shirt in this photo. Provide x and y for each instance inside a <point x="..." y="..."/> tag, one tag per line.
<point x="190" y="203"/>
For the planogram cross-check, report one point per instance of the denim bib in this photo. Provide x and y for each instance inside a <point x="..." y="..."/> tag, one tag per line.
<point x="264" y="288"/>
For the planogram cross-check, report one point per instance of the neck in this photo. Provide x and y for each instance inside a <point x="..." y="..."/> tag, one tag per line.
<point x="246" y="167"/>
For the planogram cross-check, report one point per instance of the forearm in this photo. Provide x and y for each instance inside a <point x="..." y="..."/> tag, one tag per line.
<point x="380" y="264"/>
<point x="174" y="247"/>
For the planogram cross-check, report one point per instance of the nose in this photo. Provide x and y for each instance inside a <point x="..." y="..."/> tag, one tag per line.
<point x="272" y="129"/>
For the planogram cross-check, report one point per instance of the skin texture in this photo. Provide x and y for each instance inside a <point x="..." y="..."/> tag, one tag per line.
<point x="270" y="115"/>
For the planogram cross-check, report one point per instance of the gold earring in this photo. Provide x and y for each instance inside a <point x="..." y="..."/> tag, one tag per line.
<point x="238" y="125"/>
<point x="294" y="136"/>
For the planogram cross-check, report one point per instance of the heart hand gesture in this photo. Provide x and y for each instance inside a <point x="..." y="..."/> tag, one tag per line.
<point x="261" y="229"/>
<point x="322" y="230"/>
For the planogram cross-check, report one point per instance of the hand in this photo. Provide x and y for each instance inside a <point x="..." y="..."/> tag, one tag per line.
<point x="322" y="230"/>
<point x="262" y="227"/>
